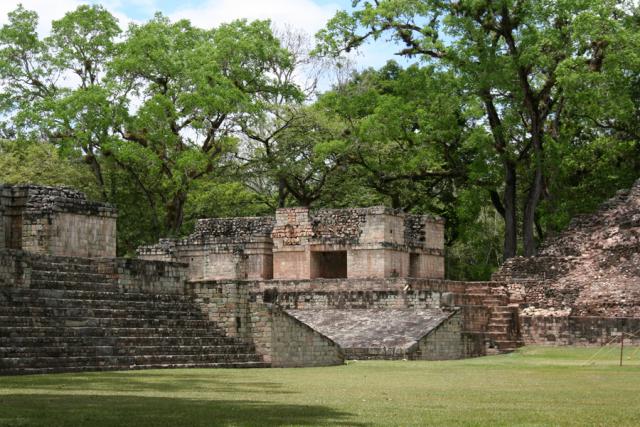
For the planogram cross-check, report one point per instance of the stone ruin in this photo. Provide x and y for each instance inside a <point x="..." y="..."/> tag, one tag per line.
<point x="301" y="288"/>
<point x="55" y="221"/>
<point x="298" y="245"/>
<point x="370" y="280"/>
<point x="67" y="304"/>
<point x="584" y="286"/>
<point x="298" y="289"/>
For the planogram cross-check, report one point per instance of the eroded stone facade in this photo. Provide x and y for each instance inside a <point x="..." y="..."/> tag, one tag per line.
<point x="299" y="244"/>
<point x="221" y="248"/>
<point x="55" y="221"/>
<point x="266" y="289"/>
<point x="584" y="286"/>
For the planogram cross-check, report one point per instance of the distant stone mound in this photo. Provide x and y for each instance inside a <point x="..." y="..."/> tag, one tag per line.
<point x="592" y="268"/>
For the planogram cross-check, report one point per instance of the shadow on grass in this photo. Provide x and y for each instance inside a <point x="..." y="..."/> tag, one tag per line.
<point x="73" y="410"/>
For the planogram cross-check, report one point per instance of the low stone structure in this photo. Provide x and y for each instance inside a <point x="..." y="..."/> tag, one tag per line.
<point x="55" y="221"/>
<point x="254" y="275"/>
<point x="356" y="243"/>
<point x="221" y="248"/>
<point x="299" y="244"/>
<point x="477" y="312"/>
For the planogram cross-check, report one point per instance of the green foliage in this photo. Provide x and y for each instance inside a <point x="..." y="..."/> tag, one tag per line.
<point x="543" y="72"/>
<point x="23" y="162"/>
<point x="159" y="103"/>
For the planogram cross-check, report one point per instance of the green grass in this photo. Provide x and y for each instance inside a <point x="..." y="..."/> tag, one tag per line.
<point x="533" y="387"/>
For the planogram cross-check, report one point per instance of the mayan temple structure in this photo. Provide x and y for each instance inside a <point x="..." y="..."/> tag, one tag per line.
<point x="300" y="288"/>
<point x="369" y="280"/>
<point x="329" y="243"/>
<point x="67" y="304"/>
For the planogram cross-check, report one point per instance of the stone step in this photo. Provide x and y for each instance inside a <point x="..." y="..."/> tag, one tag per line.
<point x="103" y="322"/>
<point x="232" y="365"/>
<point x="69" y="276"/>
<point x="503" y="309"/>
<point x="116" y="350"/>
<point x="89" y="331"/>
<point x="88" y="267"/>
<point x="501" y="316"/>
<point x="53" y="362"/>
<point x="49" y="260"/>
<point x="135" y="341"/>
<point x="191" y="313"/>
<point x="46" y="296"/>
<point x="497" y="335"/>
<point x="102" y="286"/>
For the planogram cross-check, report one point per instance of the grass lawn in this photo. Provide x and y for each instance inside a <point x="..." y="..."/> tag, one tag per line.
<point x="534" y="386"/>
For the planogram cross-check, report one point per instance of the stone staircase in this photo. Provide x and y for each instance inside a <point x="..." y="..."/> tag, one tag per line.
<point x="75" y="317"/>
<point x="503" y="330"/>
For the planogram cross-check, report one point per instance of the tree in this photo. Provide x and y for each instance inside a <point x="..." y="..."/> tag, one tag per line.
<point x="162" y="102"/>
<point x="405" y="146"/>
<point x="513" y="56"/>
<point x="23" y="162"/>
<point x="55" y="89"/>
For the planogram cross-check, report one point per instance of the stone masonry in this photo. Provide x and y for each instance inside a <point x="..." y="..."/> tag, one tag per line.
<point x="356" y="243"/>
<point x="55" y="221"/>
<point x="300" y="289"/>
<point x="584" y="285"/>
<point x="221" y="248"/>
<point x="297" y="244"/>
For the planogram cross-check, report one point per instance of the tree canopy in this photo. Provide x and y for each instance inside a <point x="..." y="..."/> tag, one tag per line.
<point x="515" y="116"/>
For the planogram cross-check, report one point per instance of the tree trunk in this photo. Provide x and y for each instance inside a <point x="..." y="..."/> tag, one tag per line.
<point x="282" y="192"/>
<point x="91" y="159"/>
<point x="510" y="211"/>
<point x="533" y="197"/>
<point x="175" y="213"/>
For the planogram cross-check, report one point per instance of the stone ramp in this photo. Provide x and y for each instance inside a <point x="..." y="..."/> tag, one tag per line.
<point x="374" y="333"/>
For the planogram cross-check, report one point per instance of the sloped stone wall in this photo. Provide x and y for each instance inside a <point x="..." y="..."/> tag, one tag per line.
<point x="280" y="339"/>
<point x="287" y="342"/>
<point x="448" y="341"/>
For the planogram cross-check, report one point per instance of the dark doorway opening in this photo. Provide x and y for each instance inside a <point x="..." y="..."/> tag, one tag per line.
<point x="329" y="265"/>
<point x="414" y="265"/>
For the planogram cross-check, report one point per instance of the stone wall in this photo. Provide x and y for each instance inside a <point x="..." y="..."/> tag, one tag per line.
<point x="153" y="277"/>
<point x="570" y="330"/>
<point x="378" y="242"/>
<point x="226" y="302"/>
<point x="446" y="342"/>
<point x="132" y="275"/>
<point x="286" y="342"/>
<point x="56" y="221"/>
<point x="280" y="339"/>
<point x="221" y="249"/>
<point x="474" y="300"/>
<point x="3" y="219"/>
<point x="14" y="269"/>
